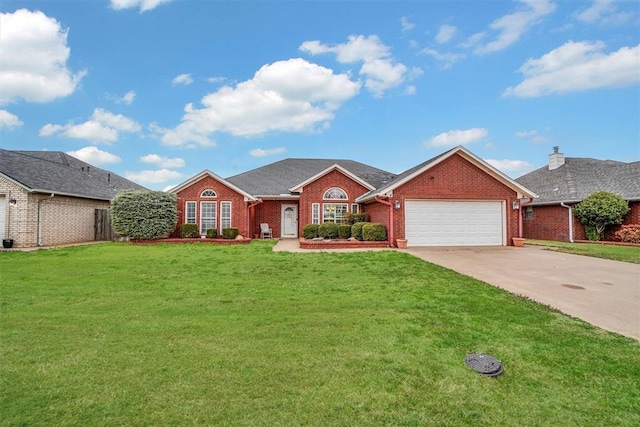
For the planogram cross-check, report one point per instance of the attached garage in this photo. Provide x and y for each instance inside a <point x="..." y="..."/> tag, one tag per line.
<point x="455" y="223"/>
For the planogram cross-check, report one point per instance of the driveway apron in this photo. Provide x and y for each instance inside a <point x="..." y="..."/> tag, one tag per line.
<point x="602" y="292"/>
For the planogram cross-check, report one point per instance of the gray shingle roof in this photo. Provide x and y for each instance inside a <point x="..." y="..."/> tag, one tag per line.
<point x="57" y="172"/>
<point x="580" y="177"/>
<point x="277" y="178"/>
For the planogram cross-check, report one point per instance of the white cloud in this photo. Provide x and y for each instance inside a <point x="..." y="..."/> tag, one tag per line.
<point x="379" y="69"/>
<point x="602" y="11"/>
<point x="152" y="176"/>
<point x="526" y="133"/>
<point x="510" y="27"/>
<point x="94" y="156"/>
<point x="406" y="24"/>
<point x="446" y="33"/>
<point x="216" y="80"/>
<point x="163" y="162"/>
<point x="446" y="59"/>
<point x="577" y="66"/>
<point x="128" y="97"/>
<point x="34" y="58"/>
<point x="182" y="79"/>
<point x="9" y="121"/>
<point x="259" y="152"/>
<point x="143" y="5"/>
<point x="287" y="96"/>
<point x="103" y="127"/>
<point x="511" y="167"/>
<point x="457" y="137"/>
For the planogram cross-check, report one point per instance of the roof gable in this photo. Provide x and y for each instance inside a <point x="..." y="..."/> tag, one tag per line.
<point x="299" y="187"/>
<point x="60" y="173"/>
<point x="417" y="170"/>
<point x="580" y="177"/>
<point x="208" y="173"/>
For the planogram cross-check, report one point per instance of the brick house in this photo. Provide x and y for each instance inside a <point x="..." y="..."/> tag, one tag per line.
<point x="566" y="181"/>
<point x="454" y="199"/>
<point x="50" y="198"/>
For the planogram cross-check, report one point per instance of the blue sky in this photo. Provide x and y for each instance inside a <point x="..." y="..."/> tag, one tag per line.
<point x="159" y="90"/>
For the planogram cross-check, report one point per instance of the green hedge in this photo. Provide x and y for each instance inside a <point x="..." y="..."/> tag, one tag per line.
<point x="356" y="230"/>
<point x="374" y="232"/>
<point x="344" y="231"/>
<point x="212" y="233"/>
<point x="229" y="233"/>
<point x="188" y="230"/>
<point x="144" y="215"/>
<point x="310" y="231"/>
<point x="354" y="217"/>
<point x="328" y="230"/>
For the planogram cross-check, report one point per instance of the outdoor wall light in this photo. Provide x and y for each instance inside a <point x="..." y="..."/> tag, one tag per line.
<point x="12" y="202"/>
<point x="397" y="204"/>
<point x="516" y="206"/>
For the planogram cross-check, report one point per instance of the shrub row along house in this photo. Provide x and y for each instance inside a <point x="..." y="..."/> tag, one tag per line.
<point x="453" y="199"/>
<point x="50" y="198"/>
<point x="566" y="181"/>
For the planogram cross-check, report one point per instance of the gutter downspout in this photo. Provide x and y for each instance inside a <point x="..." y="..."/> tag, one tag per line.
<point x="520" y="226"/>
<point x="39" y="224"/>
<point x="570" y="221"/>
<point x="249" y="216"/>
<point x="385" y="202"/>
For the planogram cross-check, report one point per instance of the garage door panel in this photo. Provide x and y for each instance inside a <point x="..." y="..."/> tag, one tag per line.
<point x="454" y="223"/>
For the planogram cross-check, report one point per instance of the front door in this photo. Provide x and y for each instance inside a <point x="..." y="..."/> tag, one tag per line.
<point x="289" y="217"/>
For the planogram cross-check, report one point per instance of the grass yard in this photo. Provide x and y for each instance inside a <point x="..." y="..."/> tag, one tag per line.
<point x="613" y="252"/>
<point x="118" y="334"/>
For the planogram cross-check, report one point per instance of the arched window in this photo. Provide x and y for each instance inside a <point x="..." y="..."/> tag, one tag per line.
<point x="208" y="193"/>
<point x="335" y="193"/>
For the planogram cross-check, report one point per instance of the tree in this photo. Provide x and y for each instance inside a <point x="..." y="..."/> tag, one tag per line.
<point x="599" y="210"/>
<point x="144" y="215"/>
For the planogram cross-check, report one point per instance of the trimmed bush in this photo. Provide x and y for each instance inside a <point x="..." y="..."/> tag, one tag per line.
<point x="144" y="215"/>
<point x="344" y="231"/>
<point x="629" y="233"/>
<point x="600" y="210"/>
<point x="354" y="217"/>
<point x="356" y="230"/>
<point x="374" y="232"/>
<point x="310" y="231"/>
<point x="229" y="233"/>
<point x="188" y="230"/>
<point x="212" y="233"/>
<point x="328" y="230"/>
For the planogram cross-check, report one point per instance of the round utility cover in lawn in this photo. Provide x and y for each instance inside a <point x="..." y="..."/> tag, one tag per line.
<point x="484" y="364"/>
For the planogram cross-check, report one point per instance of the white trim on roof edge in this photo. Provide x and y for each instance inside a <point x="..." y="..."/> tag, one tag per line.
<point x="247" y="197"/>
<point x="387" y="191"/>
<point x="298" y="188"/>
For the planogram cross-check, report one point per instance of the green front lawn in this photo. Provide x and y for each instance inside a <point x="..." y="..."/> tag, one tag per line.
<point x="117" y="334"/>
<point x="598" y="250"/>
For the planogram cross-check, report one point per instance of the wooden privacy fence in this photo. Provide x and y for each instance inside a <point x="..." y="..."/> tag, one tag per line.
<point x="102" y="226"/>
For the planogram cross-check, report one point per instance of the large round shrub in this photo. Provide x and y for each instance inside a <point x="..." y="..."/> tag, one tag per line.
<point x="328" y="230"/>
<point x="374" y="232"/>
<point x="599" y="210"/>
<point x="356" y="230"/>
<point x="144" y="215"/>
<point x="344" y="231"/>
<point x="310" y="231"/>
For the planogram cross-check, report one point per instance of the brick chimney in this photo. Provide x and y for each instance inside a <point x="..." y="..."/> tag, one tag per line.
<point x="556" y="159"/>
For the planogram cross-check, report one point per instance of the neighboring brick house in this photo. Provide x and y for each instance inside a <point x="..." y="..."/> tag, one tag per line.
<point x="454" y="199"/>
<point x="50" y="198"/>
<point x="565" y="182"/>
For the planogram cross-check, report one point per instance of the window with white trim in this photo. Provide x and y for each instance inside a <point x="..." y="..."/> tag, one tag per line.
<point x="355" y="208"/>
<point x="334" y="212"/>
<point x="190" y="212"/>
<point x="315" y="213"/>
<point x="335" y="193"/>
<point x="225" y="215"/>
<point x="208" y="193"/>
<point x="207" y="216"/>
<point x="528" y="212"/>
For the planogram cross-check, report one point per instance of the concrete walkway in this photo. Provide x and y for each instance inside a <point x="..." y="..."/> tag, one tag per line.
<point x="602" y="292"/>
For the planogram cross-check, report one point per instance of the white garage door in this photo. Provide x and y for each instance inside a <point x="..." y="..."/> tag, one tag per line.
<point x="454" y="223"/>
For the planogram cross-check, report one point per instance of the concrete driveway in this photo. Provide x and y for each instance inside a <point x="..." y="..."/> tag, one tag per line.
<point x="602" y="292"/>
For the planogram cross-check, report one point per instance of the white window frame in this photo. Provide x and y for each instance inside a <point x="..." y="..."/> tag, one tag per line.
<point x="335" y="193"/>
<point x="210" y="219"/>
<point x="355" y="208"/>
<point x="315" y="213"/>
<point x="345" y="211"/>
<point x="225" y="215"/>
<point x="208" y="193"/>
<point x="187" y="218"/>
